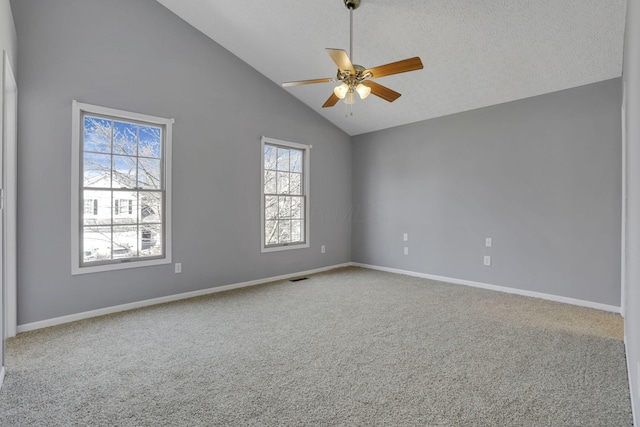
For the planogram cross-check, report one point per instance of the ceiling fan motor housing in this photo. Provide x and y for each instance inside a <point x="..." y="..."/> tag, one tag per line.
<point x="352" y="4"/>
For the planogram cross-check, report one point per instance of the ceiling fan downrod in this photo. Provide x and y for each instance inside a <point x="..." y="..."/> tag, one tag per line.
<point x="351" y="5"/>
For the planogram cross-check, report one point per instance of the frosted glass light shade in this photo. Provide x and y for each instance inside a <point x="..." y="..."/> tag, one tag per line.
<point x="349" y="98"/>
<point x="341" y="91"/>
<point x="363" y="90"/>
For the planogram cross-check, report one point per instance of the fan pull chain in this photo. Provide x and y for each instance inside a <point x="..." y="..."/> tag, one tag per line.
<point x="348" y="110"/>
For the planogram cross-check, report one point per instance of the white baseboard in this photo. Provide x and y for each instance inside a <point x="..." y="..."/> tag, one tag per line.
<point x="145" y="303"/>
<point x="169" y="298"/>
<point x="551" y="297"/>
<point x="2" y="371"/>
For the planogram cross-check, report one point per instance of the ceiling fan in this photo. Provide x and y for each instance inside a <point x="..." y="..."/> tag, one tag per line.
<point x="356" y="78"/>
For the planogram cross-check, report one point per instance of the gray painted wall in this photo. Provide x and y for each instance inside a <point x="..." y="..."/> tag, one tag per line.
<point x="541" y="176"/>
<point x="138" y="56"/>
<point x="631" y="77"/>
<point x="8" y="39"/>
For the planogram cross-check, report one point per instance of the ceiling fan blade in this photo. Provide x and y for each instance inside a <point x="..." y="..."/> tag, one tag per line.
<point x="383" y="91"/>
<point x="341" y="59"/>
<point x="333" y="99"/>
<point x="307" y="82"/>
<point x="410" y="64"/>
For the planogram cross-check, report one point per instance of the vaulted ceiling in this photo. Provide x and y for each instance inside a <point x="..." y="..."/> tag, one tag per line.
<point x="476" y="53"/>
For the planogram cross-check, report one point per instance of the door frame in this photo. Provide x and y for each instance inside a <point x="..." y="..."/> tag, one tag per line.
<point x="10" y="196"/>
<point x="623" y="222"/>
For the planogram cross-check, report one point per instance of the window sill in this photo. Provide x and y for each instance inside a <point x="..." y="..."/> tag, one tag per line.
<point x="284" y="247"/>
<point x="75" y="270"/>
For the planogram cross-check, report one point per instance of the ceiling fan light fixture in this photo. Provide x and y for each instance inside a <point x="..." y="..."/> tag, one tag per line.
<point x="363" y="90"/>
<point x="356" y="78"/>
<point x="341" y="91"/>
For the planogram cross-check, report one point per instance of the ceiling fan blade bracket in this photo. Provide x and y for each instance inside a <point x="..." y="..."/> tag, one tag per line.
<point x="366" y="74"/>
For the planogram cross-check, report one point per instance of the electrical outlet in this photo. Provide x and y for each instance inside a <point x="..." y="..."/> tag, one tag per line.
<point x="178" y="267"/>
<point x="322" y="249"/>
<point x="488" y="242"/>
<point x="405" y="237"/>
<point x="487" y="260"/>
<point x="406" y="250"/>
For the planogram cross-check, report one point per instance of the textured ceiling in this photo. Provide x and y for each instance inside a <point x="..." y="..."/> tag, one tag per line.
<point x="475" y="52"/>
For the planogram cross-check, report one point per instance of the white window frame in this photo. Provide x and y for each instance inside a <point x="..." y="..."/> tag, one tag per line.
<point x="306" y="149"/>
<point x="77" y="202"/>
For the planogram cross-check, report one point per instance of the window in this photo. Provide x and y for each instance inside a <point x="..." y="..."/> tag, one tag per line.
<point x="121" y="214"/>
<point x="124" y="206"/>
<point x="285" y="193"/>
<point x="91" y="206"/>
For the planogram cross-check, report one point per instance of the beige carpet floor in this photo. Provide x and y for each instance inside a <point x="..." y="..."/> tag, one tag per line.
<point x="350" y="347"/>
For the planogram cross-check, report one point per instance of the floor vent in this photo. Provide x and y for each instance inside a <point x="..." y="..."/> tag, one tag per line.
<point x="298" y="279"/>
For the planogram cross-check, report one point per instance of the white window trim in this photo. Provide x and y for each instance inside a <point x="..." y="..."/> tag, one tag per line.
<point x="306" y="174"/>
<point x="77" y="109"/>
